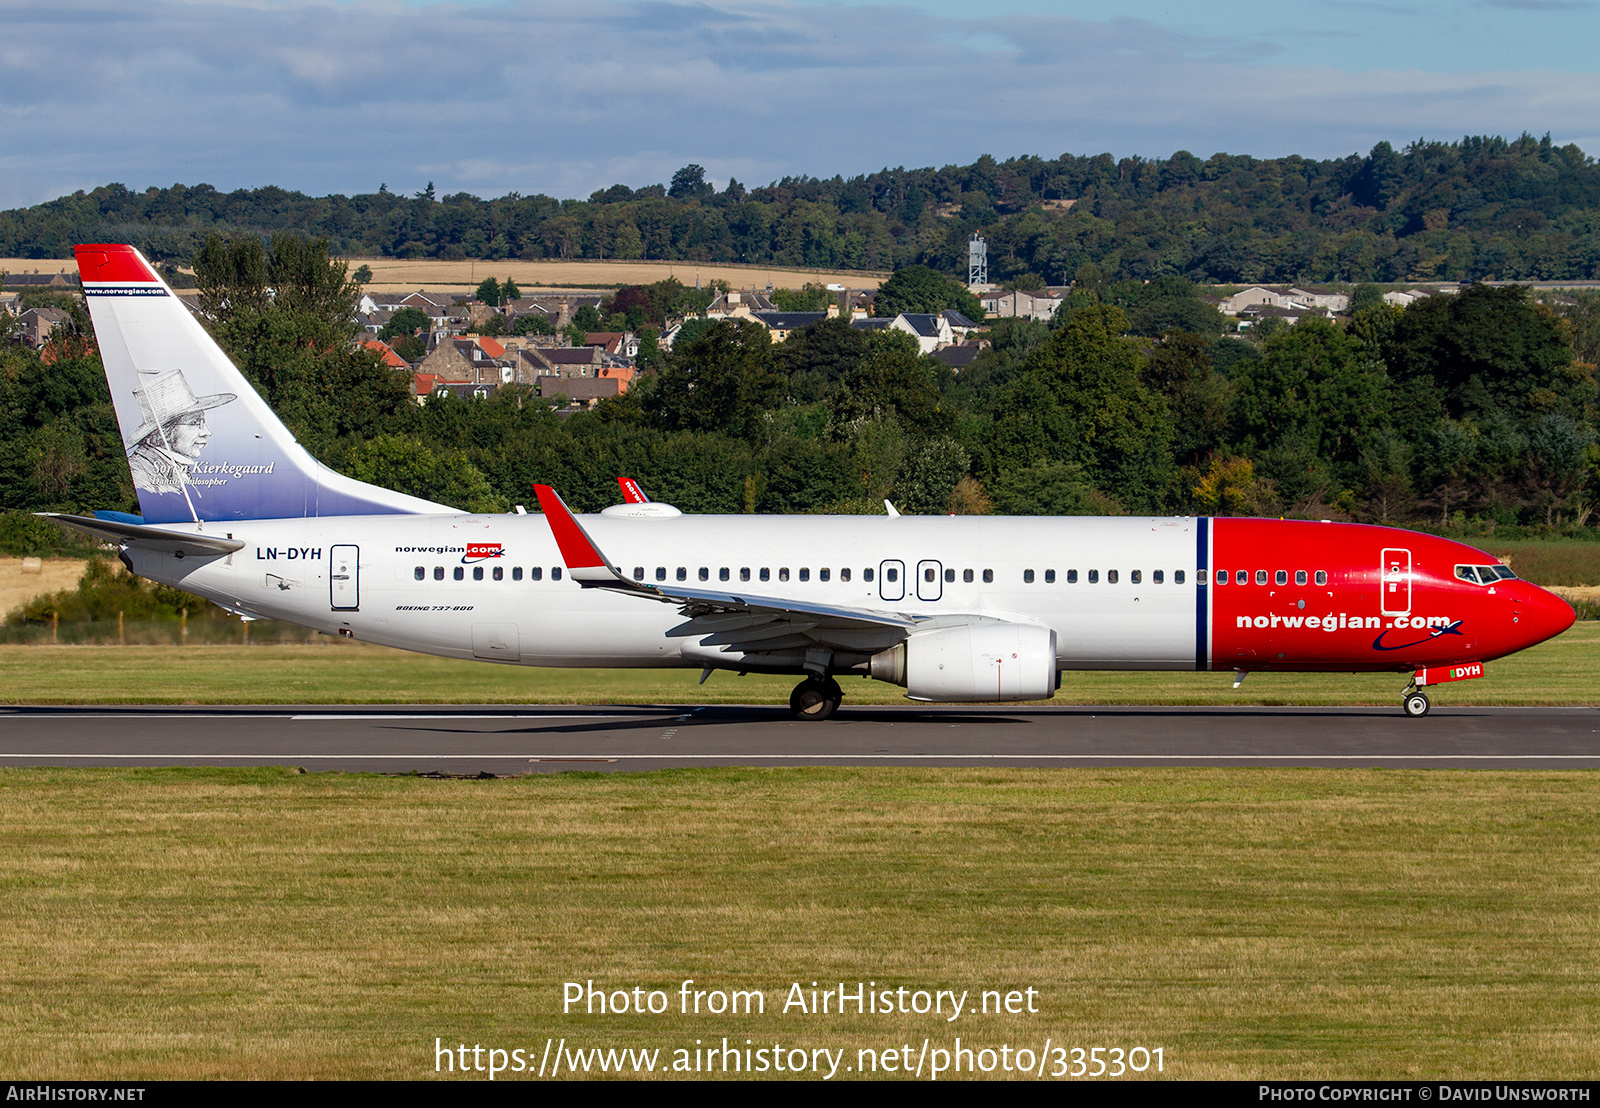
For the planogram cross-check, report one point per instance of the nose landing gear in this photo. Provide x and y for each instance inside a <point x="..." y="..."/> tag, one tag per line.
<point x="815" y="698"/>
<point x="1415" y="703"/>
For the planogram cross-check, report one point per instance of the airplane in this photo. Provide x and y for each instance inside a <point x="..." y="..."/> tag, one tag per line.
<point x="954" y="609"/>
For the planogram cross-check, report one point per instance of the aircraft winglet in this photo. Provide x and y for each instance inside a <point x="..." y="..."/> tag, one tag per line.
<point x="585" y="564"/>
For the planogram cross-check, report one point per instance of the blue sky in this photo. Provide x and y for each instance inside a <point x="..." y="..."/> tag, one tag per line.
<point x="537" y="96"/>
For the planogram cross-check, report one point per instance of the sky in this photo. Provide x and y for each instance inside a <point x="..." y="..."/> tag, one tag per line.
<point x="536" y="96"/>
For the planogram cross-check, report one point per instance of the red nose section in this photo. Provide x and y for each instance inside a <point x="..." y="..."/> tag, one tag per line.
<point x="1544" y="615"/>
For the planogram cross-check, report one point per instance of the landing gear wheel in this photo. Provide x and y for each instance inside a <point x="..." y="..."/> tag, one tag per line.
<point x="815" y="698"/>
<point x="1415" y="704"/>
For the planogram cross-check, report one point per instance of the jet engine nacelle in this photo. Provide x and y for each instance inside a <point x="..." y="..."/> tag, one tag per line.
<point x="973" y="663"/>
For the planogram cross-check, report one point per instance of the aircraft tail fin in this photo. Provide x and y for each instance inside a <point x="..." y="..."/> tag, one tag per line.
<point x="201" y="444"/>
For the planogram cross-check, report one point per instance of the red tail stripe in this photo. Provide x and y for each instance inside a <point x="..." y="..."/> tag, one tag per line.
<point x="112" y="265"/>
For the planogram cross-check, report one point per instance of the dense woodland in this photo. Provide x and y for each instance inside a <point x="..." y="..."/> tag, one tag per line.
<point x="1467" y="413"/>
<point x="1483" y="208"/>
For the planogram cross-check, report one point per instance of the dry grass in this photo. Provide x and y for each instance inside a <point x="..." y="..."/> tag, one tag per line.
<point x="1253" y="923"/>
<point x="410" y="274"/>
<point x="17" y="588"/>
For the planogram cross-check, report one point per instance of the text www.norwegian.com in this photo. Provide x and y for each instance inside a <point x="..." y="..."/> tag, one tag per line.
<point x="558" y="1059"/>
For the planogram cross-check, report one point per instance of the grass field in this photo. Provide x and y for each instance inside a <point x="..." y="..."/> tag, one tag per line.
<point x="1565" y="670"/>
<point x="1250" y="923"/>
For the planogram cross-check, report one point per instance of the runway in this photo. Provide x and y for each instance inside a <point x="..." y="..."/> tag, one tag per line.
<point x="472" y="740"/>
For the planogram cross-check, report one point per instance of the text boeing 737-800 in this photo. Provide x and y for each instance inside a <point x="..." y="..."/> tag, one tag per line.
<point x="952" y="608"/>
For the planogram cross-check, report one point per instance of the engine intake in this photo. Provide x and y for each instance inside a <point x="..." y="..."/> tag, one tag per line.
<point x="973" y="663"/>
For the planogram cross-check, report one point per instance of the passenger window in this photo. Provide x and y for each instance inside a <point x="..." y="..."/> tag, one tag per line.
<point x="805" y="573"/>
<point x="705" y="573"/>
<point x="1135" y="576"/>
<point x="949" y="576"/>
<point x="1299" y="576"/>
<point x="516" y="573"/>
<point x="1049" y="576"/>
<point x="892" y="574"/>
<point x="536" y="573"/>
<point x="1261" y="577"/>
<point x="1072" y="577"/>
<point x="766" y="574"/>
<point x="744" y="573"/>
<point x="477" y="573"/>
<point x="844" y="575"/>
<point x="638" y="574"/>
<point x="722" y="574"/>
<point x="1322" y="577"/>
<point x="1222" y="577"/>
<point x="1281" y="577"/>
<point x="1177" y="577"/>
<point x="783" y="573"/>
<point x="458" y="573"/>
<point x="966" y="577"/>
<point x="1242" y="577"/>
<point x="438" y="573"/>
<point x="555" y="573"/>
<point x="1094" y="577"/>
<point x="928" y="574"/>
<point x="499" y="573"/>
<point x="823" y="574"/>
<point x="683" y="574"/>
<point x="1158" y="576"/>
<point x="419" y="573"/>
<point x="866" y="575"/>
<point x="661" y="573"/>
<point x="1027" y="576"/>
<point x="988" y="577"/>
<point x="1111" y="577"/>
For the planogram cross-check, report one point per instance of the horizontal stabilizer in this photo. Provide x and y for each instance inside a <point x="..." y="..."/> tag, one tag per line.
<point x="150" y="538"/>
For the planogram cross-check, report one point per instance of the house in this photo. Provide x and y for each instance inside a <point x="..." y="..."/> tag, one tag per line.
<point x="1020" y="304"/>
<point x="35" y="281"/>
<point x="781" y="324"/>
<point x="579" y="391"/>
<point x="35" y="324"/>
<point x="386" y="354"/>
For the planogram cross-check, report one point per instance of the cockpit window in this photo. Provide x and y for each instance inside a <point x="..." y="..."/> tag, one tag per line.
<point x="1485" y="575"/>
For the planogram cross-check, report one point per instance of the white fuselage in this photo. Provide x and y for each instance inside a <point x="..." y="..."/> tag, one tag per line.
<point x="533" y="613"/>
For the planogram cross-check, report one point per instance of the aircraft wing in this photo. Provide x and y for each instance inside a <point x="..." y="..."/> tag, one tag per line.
<point x="151" y="538"/>
<point x="734" y="618"/>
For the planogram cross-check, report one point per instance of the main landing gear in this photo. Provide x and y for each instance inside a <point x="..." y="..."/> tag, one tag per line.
<point x="815" y="698"/>
<point x="1415" y="703"/>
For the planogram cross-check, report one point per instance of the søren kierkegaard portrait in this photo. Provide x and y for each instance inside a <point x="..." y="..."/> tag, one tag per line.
<point x="172" y="432"/>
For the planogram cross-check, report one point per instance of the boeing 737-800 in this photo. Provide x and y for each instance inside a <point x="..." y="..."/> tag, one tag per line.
<point x="960" y="609"/>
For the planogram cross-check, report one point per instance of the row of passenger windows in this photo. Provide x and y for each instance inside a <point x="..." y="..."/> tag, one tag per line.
<point x="1279" y="577"/>
<point x="1135" y="577"/>
<point x="498" y="573"/>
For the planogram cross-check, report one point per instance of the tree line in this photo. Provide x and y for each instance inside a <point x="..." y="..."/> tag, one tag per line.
<point x="1463" y="412"/>
<point x="1483" y="208"/>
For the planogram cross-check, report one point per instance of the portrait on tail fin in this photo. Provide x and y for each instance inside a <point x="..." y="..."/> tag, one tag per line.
<point x="171" y="433"/>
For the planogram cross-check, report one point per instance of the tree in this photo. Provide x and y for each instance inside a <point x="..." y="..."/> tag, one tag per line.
<point x="363" y="274"/>
<point x="689" y="183"/>
<point x="405" y="322"/>
<point x="509" y="291"/>
<point x="916" y="288"/>
<point x="721" y="380"/>
<point x="286" y="316"/>
<point x="488" y="292"/>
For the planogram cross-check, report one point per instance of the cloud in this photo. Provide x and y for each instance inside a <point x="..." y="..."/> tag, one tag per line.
<point x="538" y="96"/>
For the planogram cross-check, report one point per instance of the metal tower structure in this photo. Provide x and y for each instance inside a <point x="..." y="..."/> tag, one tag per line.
<point x="977" y="262"/>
